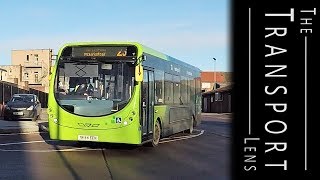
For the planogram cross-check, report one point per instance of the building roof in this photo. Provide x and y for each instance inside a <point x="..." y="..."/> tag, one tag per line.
<point x="221" y="77"/>
<point x="222" y="89"/>
<point x="32" y="49"/>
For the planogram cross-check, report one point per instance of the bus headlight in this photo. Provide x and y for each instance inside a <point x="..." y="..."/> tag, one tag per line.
<point x="30" y="108"/>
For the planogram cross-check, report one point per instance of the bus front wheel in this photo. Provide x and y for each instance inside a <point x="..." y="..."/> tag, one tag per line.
<point x="156" y="135"/>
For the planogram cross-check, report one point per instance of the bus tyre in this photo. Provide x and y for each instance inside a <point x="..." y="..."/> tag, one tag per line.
<point x="190" y="130"/>
<point x="156" y="135"/>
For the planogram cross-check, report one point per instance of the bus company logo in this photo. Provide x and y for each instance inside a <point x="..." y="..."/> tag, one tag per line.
<point x="88" y="125"/>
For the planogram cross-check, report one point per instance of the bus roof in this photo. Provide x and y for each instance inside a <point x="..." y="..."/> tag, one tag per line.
<point x="140" y="46"/>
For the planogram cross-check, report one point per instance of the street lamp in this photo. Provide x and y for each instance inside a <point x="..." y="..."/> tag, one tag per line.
<point x="214" y="71"/>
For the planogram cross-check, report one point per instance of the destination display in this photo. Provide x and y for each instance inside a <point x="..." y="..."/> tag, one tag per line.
<point x="98" y="51"/>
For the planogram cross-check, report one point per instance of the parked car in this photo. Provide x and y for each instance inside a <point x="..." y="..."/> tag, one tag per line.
<point x="22" y="106"/>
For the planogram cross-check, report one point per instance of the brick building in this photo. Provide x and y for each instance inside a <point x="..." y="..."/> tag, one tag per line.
<point x="29" y="68"/>
<point x="221" y="78"/>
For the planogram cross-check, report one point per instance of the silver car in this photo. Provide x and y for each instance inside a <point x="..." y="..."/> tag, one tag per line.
<point x="22" y="106"/>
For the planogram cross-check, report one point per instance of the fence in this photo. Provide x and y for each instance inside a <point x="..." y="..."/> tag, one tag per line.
<point x="8" y="89"/>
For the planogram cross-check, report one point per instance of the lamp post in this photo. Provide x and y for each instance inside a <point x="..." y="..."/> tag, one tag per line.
<point x="214" y="75"/>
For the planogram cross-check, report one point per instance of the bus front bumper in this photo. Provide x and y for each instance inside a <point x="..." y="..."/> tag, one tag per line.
<point x="127" y="135"/>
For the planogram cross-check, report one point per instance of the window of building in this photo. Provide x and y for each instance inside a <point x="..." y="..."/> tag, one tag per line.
<point x="26" y="75"/>
<point x="27" y="57"/>
<point x="218" y="96"/>
<point x="36" y="57"/>
<point x="36" y="77"/>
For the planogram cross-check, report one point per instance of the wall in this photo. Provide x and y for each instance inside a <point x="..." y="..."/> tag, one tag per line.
<point x="209" y="105"/>
<point x="8" y="89"/>
<point x="208" y="79"/>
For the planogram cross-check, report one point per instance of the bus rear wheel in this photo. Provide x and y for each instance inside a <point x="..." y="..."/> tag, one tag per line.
<point x="190" y="130"/>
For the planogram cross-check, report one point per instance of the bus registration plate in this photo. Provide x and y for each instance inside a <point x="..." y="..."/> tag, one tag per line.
<point x="87" y="138"/>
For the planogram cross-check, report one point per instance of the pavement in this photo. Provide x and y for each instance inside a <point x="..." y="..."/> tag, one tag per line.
<point x="41" y="125"/>
<point x="24" y="126"/>
<point x="222" y="117"/>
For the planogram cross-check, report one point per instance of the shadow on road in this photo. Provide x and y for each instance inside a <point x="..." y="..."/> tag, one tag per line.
<point x="220" y="128"/>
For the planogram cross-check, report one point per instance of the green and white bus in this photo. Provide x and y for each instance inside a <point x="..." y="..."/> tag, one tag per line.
<point x="121" y="92"/>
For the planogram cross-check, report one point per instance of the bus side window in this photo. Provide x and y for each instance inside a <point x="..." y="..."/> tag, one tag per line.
<point x="176" y="90"/>
<point x="159" y="95"/>
<point x="168" y="88"/>
<point x="184" y="90"/>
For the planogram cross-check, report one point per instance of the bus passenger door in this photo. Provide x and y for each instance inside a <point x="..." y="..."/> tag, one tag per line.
<point x="147" y="102"/>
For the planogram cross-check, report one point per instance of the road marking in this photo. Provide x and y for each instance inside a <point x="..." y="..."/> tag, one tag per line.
<point x="25" y="142"/>
<point x="181" y="138"/>
<point x="15" y="134"/>
<point x="176" y="137"/>
<point x="164" y="140"/>
<point x="52" y="150"/>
